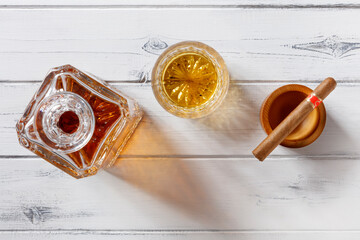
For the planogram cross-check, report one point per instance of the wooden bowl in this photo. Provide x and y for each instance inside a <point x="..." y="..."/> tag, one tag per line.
<point x="278" y="105"/>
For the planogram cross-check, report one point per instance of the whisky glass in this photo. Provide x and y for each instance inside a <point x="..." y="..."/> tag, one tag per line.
<point x="190" y="79"/>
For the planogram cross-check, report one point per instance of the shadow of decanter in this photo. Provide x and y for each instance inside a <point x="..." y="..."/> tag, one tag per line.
<point x="170" y="179"/>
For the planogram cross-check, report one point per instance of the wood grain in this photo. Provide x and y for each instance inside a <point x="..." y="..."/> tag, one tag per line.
<point x="181" y="3"/>
<point x="233" y="130"/>
<point x="176" y="235"/>
<point x="246" y="38"/>
<point x="181" y="179"/>
<point x="183" y="194"/>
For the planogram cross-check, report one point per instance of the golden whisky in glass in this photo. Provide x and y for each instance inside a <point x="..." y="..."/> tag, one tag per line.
<point x="190" y="79"/>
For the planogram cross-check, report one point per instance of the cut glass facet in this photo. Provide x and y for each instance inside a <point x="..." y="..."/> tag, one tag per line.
<point x="77" y="122"/>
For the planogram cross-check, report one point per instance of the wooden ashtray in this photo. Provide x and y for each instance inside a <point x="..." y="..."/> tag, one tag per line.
<point x="279" y="104"/>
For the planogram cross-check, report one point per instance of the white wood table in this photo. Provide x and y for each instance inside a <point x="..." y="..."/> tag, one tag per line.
<point x="179" y="178"/>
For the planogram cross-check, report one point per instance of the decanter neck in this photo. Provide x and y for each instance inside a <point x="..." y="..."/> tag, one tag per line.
<point x="64" y="121"/>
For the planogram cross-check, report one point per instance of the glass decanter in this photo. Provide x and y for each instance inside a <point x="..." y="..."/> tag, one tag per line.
<point x="190" y="79"/>
<point x="77" y="122"/>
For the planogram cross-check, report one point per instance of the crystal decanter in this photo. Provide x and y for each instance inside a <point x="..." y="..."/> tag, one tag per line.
<point x="77" y="122"/>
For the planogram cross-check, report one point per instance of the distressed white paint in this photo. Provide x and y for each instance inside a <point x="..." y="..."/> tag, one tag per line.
<point x="233" y="130"/>
<point x="177" y="235"/>
<point x="178" y="178"/>
<point x="257" y="44"/>
<point x="235" y="194"/>
<point x="179" y="3"/>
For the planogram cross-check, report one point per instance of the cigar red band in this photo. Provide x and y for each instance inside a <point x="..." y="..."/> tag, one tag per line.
<point x="314" y="100"/>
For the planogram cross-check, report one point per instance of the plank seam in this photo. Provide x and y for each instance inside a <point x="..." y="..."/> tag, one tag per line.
<point x="340" y="82"/>
<point x="214" y="157"/>
<point x="184" y="6"/>
<point x="170" y="231"/>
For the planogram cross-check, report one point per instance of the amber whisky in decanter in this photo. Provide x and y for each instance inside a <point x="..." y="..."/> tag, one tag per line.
<point x="77" y="122"/>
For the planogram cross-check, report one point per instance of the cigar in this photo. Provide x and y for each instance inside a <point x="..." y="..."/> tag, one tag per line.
<point x="294" y="119"/>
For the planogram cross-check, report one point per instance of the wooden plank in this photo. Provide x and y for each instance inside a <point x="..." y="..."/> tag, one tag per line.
<point x="179" y="3"/>
<point x="177" y="235"/>
<point x="186" y="179"/>
<point x="233" y="130"/>
<point x="171" y="194"/>
<point x="257" y="44"/>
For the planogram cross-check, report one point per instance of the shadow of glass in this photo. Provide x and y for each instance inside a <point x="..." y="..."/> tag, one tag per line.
<point x="170" y="179"/>
<point x="236" y="118"/>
